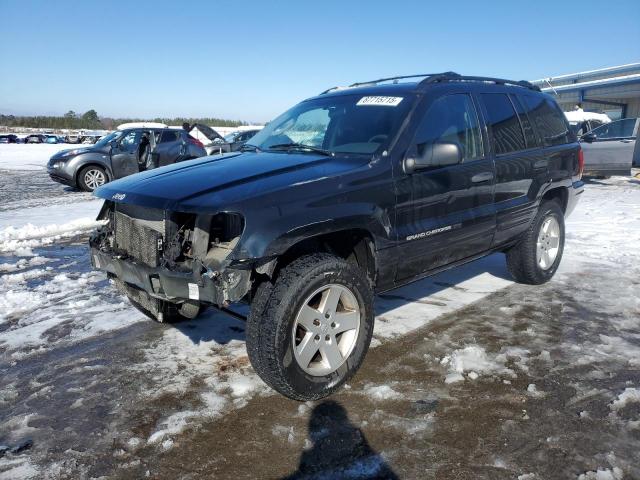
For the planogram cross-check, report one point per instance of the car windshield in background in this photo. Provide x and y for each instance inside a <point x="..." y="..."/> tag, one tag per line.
<point x="105" y="140"/>
<point x="230" y="138"/>
<point x="357" y="124"/>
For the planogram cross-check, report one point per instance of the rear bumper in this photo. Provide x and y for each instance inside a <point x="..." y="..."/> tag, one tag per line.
<point x="575" y="190"/>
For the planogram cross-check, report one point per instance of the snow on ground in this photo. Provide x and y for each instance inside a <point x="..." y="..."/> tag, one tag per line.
<point x="51" y="299"/>
<point x="29" y="156"/>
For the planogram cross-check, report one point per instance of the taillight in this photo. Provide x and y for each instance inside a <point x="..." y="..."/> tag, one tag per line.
<point x="580" y="162"/>
<point x="195" y="141"/>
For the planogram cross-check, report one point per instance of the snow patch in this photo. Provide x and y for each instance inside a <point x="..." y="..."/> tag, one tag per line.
<point x="603" y="474"/>
<point x="381" y="392"/>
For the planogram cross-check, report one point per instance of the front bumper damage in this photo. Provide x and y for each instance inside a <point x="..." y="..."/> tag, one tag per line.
<point x="168" y="259"/>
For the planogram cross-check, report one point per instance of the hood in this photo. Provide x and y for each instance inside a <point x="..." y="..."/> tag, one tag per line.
<point x="207" y="131"/>
<point x="210" y="183"/>
<point x="72" y="152"/>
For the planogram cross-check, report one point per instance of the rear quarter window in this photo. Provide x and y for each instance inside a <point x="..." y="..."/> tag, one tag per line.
<point x="547" y="119"/>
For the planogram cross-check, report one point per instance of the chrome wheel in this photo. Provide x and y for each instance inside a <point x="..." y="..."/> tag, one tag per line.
<point x="548" y="243"/>
<point x="326" y="329"/>
<point x="94" y="178"/>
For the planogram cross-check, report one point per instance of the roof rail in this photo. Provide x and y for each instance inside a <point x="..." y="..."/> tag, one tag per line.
<point x="430" y="78"/>
<point x="454" y="77"/>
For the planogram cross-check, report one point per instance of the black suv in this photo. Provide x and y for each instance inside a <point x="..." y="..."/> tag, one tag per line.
<point x="122" y="153"/>
<point x="348" y="194"/>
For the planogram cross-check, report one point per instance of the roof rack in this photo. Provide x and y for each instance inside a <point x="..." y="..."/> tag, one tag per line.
<point x="455" y="77"/>
<point x="430" y="78"/>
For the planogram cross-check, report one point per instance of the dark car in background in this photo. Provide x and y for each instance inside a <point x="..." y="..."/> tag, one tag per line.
<point x="36" y="138"/>
<point x="122" y="153"/>
<point x="231" y="142"/>
<point x="9" y="138"/>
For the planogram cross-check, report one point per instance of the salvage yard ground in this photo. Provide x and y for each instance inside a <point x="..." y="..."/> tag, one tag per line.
<point x="472" y="376"/>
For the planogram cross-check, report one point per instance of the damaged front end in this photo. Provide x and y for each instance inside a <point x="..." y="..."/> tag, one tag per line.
<point x="172" y="256"/>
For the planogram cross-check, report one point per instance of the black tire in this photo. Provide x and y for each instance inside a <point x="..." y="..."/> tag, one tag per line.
<point x="82" y="181"/>
<point x="521" y="258"/>
<point x="270" y="341"/>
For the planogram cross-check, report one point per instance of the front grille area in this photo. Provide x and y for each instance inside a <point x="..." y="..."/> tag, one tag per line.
<point x="136" y="240"/>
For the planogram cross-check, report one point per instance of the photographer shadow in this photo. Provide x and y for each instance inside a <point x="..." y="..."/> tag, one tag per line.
<point x="338" y="449"/>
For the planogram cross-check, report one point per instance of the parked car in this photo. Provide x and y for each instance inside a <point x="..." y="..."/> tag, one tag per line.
<point x="231" y="142"/>
<point x="122" y="153"/>
<point x="582" y="122"/>
<point x="9" y="138"/>
<point x="611" y="149"/>
<point x="36" y="138"/>
<point x="353" y="192"/>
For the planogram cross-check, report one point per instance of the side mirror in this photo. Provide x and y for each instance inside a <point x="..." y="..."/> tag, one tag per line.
<point x="589" y="137"/>
<point x="439" y="154"/>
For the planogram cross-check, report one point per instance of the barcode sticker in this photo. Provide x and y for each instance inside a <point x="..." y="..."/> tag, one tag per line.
<point x="194" y="293"/>
<point x="380" y="101"/>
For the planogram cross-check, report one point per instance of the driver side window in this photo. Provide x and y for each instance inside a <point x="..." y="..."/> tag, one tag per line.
<point x="451" y="119"/>
<point x="130" y="141"/>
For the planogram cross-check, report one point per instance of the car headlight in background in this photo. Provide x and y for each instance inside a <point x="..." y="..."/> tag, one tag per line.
<point x="58" y="164"/>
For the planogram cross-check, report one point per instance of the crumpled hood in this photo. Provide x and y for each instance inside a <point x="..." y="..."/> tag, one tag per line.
<point x="214" y="182"/>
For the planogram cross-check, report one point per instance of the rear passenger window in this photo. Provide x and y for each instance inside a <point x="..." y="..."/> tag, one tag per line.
<point x="451" y="119"/>
<point x="547" y="119"/>
<point x="505" y="126"/>
<point x="169" y="136"/>
<point x="529" y="135"/>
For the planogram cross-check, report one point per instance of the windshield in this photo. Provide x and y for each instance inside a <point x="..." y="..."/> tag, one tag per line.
<point x="338" y="124"/>
<point x="105" y="140"/>
<point x="231" y="137"/>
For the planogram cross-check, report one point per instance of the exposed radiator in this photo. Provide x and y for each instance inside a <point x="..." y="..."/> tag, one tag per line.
<point x="133" y="238"/>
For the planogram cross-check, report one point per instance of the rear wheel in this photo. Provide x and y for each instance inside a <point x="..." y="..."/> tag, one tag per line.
<point x="92" y="177"/>
<point x="308" y="332"/>
<point x="535" y="259"/>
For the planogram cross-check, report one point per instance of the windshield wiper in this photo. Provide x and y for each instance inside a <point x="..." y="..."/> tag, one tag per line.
<point x="247" y="147"/>
<point x="301" y="146"/>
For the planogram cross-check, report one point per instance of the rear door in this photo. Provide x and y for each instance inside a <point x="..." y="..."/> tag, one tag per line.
<point x="124" y="154"/>
<point x="450" y="214"/>
<point x="169" y="147"/>
<point x="521" y="167"/>
<point x="612" y="149"/>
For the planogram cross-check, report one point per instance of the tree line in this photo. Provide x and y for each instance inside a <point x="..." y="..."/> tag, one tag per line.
<point x="91" y="120"/>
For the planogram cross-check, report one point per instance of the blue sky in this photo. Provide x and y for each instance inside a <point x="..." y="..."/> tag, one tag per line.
<point x="250" y="60"/>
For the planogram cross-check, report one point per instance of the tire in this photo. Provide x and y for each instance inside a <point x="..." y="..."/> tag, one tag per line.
<point x="92" y="177"/>
<point x="523" y="261"/>
<point x="275" y="330"/>
<point x="158" y="310"/>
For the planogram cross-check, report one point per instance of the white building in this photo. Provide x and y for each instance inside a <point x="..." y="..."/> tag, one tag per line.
<point x="614" y="91"/>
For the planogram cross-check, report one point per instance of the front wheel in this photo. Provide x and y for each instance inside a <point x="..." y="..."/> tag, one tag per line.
<point x="308" y="333"/>
<point x="92" y="177"/>
<point x="535" y="259"/>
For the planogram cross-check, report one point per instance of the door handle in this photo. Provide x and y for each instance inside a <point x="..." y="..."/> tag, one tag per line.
<point x="482" y="177"/>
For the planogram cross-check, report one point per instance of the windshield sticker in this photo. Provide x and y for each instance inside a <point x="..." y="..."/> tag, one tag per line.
<point x="380" y="101"/>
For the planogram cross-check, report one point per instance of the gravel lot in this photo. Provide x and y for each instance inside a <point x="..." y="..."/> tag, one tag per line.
<point x="471" y="376"/>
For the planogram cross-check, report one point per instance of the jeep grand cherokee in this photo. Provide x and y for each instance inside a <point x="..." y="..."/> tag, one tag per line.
<point x="353" y="192"/>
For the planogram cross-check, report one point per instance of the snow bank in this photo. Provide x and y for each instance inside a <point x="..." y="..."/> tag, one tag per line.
<point x="20" y="231"/>
<point x="29" y="156"/>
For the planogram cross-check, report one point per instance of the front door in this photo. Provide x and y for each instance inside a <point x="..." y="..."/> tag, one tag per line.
<point x="124" y="154"/>
<point x="612" y="149"/>
<point x="450" y="215"/>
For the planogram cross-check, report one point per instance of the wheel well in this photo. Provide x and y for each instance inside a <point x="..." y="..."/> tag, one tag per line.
<point x="79" y="170"/>
<point x="354" y="245"/>
<point x="559" y="194"/>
